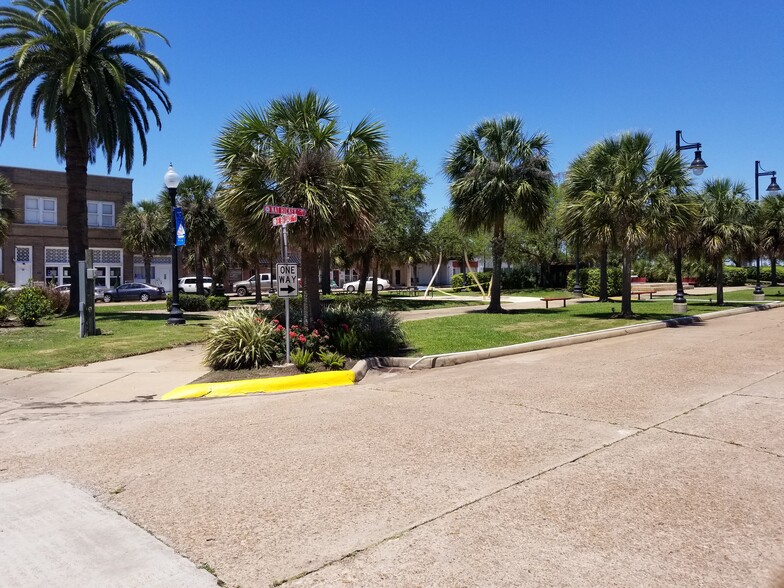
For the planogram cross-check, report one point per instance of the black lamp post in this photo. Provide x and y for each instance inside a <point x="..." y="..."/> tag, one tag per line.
<point x="697" y="166"/>
<point x="172" y="180"/>
<point x="773" y="188"/>
<point x="578" y="289"/>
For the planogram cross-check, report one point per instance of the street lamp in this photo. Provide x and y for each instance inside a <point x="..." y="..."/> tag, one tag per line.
<point x="577" y="290"/>
<point x="773" y="188"/>
<point x="172" y="180"/>
<point x="697" y="166"/>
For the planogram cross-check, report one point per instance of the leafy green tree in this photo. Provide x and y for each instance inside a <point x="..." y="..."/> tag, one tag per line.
<point x="398" y="233"/>
<point x="7" y="195"/>
<point x="74" y="60"/>
<point x="449" y="241"/>
<point x="773" y="231"/>
<point x="293" y="153"/>
<point x="725" y="224"/>
<point x="496" y="170"/>
<point x="145" y="230"/>
<point x="205" y="227"/>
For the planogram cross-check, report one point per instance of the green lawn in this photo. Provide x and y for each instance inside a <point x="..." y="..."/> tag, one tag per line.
<point x="529" y="292"/>
<point x="480" y="331"/>
<point x="771" y="294"/>
<point x="56" y="344"/>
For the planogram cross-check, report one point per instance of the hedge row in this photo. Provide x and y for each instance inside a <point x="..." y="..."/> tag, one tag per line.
<point x="590" y="278"/>
<point x="197" y="303"/>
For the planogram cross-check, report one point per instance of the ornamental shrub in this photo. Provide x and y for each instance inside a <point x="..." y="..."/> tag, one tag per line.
<point x="518" y="278"/>
<point x="278" y="308"/>
<point x="377" y="330"/>
<point x="31" y="305"/>
<point x="301" y="359"/>
<point x="4" y="312"/>
<point x="301" y="337"/>
<point x="734" y="276"/>
<point x="332" y="360"/>
<point x="240" y="339"/>
<point x="217" y="302"/>
<point x="57" y="299"/>
<point x="590" y="278"/>
<point x="190" y="302"/>
<point x="458" y="283"/>
<point x="751" y="273"/>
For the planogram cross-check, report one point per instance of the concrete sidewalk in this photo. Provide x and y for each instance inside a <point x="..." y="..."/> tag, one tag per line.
<point x="649" y="460"/>
<point x="140" y="377"/>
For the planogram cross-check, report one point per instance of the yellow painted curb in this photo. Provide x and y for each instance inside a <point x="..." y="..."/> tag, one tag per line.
<point x="262" y="385"/>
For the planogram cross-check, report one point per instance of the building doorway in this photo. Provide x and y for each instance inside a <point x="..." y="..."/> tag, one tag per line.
<point x="23" y="256"/>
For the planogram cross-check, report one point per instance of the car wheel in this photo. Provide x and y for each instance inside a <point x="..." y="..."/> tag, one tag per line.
<point x="242" y="291"/>
<point x="380" y="288"/>
<point x="350" y="288"/>
<point x="144" y="297"/>
<point x="107" y="298"/>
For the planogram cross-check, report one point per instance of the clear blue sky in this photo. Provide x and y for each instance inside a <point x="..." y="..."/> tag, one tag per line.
<point x="576" y="70"/>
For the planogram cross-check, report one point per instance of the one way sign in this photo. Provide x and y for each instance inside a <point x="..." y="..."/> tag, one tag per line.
<point x="287" y="286"/>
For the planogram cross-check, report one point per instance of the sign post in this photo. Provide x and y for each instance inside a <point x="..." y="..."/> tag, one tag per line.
<point x="286" y="273"/>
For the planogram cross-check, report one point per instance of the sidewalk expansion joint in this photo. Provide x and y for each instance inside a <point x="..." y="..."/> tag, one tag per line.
<point x="460" y="507"/>
<point x="563" y="414"/>
<point x="732" y="443"/>
<point x="124" y="375"/>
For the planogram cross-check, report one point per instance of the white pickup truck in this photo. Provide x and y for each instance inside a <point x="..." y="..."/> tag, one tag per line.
<point x="248" y="286"/>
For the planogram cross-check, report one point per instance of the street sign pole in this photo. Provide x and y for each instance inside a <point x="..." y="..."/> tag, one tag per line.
<point x="285" y="240"/>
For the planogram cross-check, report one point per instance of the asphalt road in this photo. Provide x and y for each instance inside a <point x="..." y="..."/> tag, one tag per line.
<point x="648" y="460"/>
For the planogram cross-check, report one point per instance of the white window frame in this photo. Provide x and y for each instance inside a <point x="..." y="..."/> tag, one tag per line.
<point x="100" y="214"/>
<point x="39" y="211"/>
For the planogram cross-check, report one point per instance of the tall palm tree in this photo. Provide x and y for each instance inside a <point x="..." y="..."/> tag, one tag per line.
<point x="145" y="230"/>
<point x="74" y="60"/>
<point x="496" y="170"/>
<point x="725" y="224"/>
<point x="204" y="223"/>
<point x="293" y="153"/>
<point x="773" y="231"/>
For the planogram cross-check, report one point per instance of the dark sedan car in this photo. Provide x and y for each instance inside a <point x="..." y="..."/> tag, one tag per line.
<point x="134" y="291"/>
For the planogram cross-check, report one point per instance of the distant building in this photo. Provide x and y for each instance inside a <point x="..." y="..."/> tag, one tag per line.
<point x="37" y="245"/>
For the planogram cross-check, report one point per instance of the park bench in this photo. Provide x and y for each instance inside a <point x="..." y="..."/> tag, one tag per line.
<point x="547" y="301"/>
<point x="639" y="293"/>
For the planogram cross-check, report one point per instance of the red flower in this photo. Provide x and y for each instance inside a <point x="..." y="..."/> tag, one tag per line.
<point x="292" y="334"/>
<point x="315" y="333"/>
<point x="345" y="327"/>
<point x="279" y="328"/>
<point x="302" y="339"/>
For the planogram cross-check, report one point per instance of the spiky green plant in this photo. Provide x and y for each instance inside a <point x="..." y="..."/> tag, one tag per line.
<point x="332" y="359"/>
<point x="240" y="339"/>
<point x="301" y="359"/>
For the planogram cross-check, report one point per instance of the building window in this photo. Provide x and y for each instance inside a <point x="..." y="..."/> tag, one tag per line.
<point x="40" y="211"/>
<point x="100" y="214"/>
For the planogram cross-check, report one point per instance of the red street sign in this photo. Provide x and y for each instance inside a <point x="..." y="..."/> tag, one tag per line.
<point x="284" y="220"/>
<point x="272" y="209"/>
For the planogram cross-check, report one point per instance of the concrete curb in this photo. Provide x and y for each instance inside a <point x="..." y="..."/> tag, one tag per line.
<point x="361" y="368"/>
<point x="450" y="359"/>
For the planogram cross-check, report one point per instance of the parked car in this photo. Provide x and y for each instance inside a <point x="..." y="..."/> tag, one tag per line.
<point x="352" y="286"/>
<point x="248" y="286"/>
<point x="98" y="290"/>
<point x="188" y="285"/>
<point x="134" y="291"/>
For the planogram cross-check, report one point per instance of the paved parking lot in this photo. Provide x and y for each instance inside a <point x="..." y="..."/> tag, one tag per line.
<point x="648" y="460"/>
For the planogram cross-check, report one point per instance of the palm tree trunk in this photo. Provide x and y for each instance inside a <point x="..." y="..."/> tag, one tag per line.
<point x="603" y="294"/>
<point x="364" y="271"/>
<point x="326" y="272"/>
<point x="498" y="254"/>
<point x="258" y="283"/>
<point x="376" y="264"/>
<point x="773" y="279"/>
<point x="76" y="181"/>
<point x="199" y="270"/>
<point x="147" y="269"/>
<point x="311" y="303"/>
<point x="720" y="283"/>
<point x="626" y="287"/>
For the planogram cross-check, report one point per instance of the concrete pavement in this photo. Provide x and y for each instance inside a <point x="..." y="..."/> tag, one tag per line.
<point x="648" y="460"/>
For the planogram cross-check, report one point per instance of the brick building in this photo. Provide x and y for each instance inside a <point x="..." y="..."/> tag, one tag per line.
<point x="37" y="245"/>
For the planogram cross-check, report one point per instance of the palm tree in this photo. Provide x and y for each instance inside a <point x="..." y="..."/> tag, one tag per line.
<point x="497" y="170"/>
<point x="6" y="211"/>
<point x="293" y="153"/>
<point x="773" y="231"/>
<point x="74" y="61"/>
<point x="585" y="215"/>
<point x="725" y="226"/>
<point x="204" y="223"/>
<point x="145" y="230"/>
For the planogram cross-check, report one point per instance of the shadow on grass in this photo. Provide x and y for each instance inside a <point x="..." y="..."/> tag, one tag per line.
<point x="145" y="316"/>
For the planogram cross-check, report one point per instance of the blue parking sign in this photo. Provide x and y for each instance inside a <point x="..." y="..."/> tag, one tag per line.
<point x="179" y="223"/>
